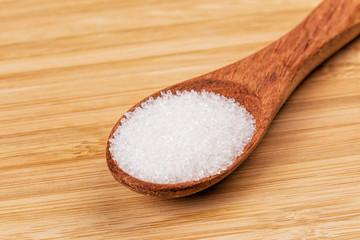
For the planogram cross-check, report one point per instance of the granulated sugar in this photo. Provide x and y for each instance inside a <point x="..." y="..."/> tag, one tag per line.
<point x="181" y="137"/>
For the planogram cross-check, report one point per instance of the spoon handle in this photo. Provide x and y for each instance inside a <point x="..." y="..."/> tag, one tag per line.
<point x="273" y="73"/>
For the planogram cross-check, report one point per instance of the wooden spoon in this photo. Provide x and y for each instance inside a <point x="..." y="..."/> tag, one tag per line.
<point x="261" y="83"/>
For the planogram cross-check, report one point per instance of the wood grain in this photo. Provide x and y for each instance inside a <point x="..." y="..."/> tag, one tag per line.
<point x="70" y="69"/>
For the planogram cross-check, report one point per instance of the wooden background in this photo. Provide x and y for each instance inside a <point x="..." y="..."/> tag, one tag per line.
<point x="68" y="71"/>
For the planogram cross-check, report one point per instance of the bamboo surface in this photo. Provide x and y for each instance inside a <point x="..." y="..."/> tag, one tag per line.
<point x="70" y="69"/>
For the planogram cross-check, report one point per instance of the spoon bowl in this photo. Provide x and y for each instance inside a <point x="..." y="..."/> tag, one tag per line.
<point x="225" y="88"/>
<point x="261" y="83"/>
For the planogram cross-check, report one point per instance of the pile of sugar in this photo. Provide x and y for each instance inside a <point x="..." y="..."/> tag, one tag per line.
<point x="181" y="137"/>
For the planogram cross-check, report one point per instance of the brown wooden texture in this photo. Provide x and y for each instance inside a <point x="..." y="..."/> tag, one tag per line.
<point x="261" y="82"/>
<point x="70" y="69"/>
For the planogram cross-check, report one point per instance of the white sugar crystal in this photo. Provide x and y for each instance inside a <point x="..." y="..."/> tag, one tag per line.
<point x="181" y="137"/>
